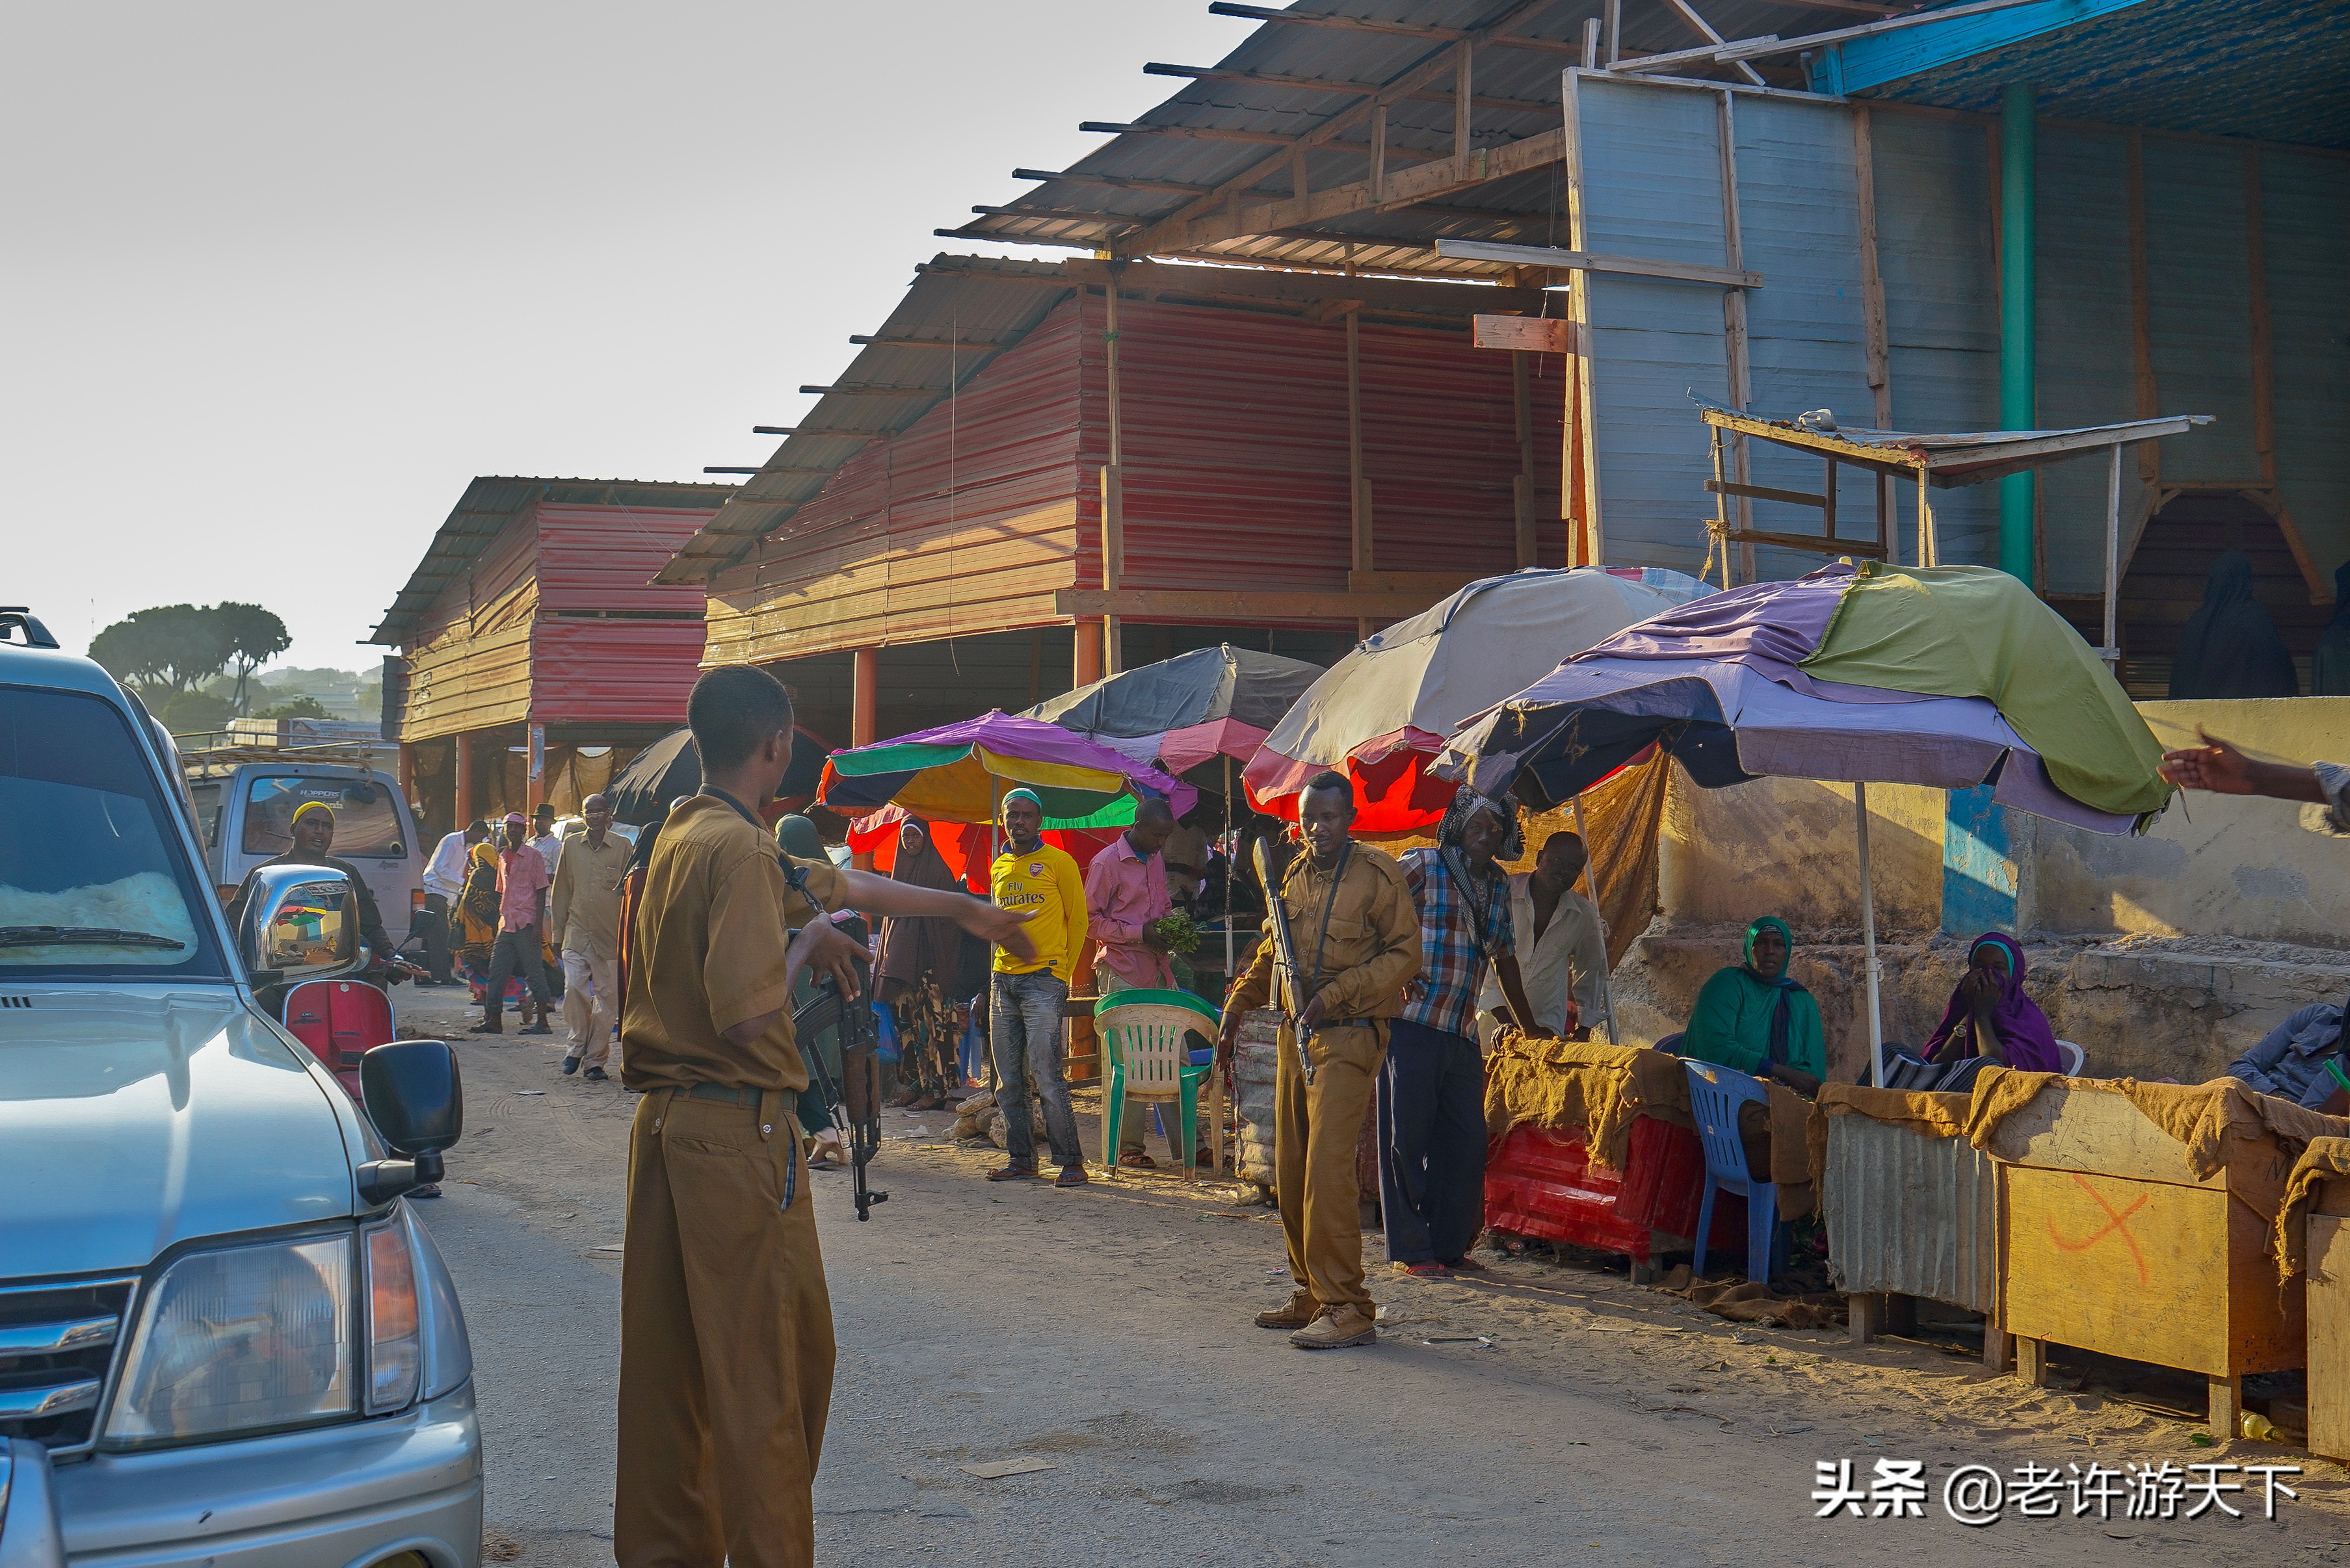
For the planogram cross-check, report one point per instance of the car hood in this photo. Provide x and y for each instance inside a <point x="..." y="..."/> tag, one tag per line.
<point x="133" y="1119"/>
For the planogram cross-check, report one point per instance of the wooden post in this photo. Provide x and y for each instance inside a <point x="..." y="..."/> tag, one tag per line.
<point x="467" y="809"/>
<point x="1733" y="321"/>
<point x="1872" y="309"/>
<point x="1113" y="491"/>
<point x="1463" y="63"/>
<point x="2111" y="651"/>
<point x="1523" y="501"/>
<point x="2227" y="1408"/>
<point x="407" y="774"/>
<point x="1089" y="650"/>
<point x="864" y="696"/>
<point x="1615" y="32"/>
<point x="2031" y="1361"/>
<point x="1378" y="153"/>
<point x="1928" y="547"/>
<point x="1863" y="1315"/>
<point x="1591" y="43"/>
<point x="1358" y="488"/>
<point x="1586" y="503"/>
<point x="1999" y="1349"/>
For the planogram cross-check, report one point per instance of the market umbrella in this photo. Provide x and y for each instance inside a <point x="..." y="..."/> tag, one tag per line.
<point x="1187" y="713"/>
<point x="640" y="793"/>
<point x="1380" y="715"/>
<point x="1950" y="677"/>
<point x="957" y="772"/>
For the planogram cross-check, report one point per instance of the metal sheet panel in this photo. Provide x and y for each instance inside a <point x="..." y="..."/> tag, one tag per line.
<point x="1911" y="1214"/>
<point x="604" y="557"/>
<point x="2303" y="200"/>
<point x="2086" y="364"/>
<point x="2200" y="301"/>
<point x="613" y="671"/>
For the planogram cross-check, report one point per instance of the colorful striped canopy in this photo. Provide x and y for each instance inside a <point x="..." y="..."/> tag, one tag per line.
<point x="957" y="772"/>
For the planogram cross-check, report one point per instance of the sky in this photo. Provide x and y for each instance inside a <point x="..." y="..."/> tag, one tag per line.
<point x="278" y="279"/>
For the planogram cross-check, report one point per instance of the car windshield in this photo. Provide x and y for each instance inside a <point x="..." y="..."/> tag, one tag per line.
<point x="93" y="881"/>
<point x="367" y="825"/>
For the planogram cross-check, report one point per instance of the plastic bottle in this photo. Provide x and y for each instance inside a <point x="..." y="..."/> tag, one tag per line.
<point x="2256" y="1426"/>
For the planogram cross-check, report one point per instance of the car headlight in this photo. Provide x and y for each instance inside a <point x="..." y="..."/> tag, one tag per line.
<point x="269" y="1335"/>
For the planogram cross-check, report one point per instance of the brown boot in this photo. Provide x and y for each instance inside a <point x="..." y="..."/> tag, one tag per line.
<point x="1336" y="1329"/>
<point x="1302" y="1310"/>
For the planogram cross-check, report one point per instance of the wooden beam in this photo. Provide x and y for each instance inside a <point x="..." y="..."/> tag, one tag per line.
<point x="1117" y="181"/>
<point x="1065" y="216"/>
<point x="969" y="345"/>
<point x="1522" y="487"/>
<point x="1464" y="65"/>
<point x="1581" y="443"/>
<point x="1769" y="44"/>
<point x="1428" y="72"/>
<point x="876" y="391"/>
<point x="1870" y="548"/>
<point x="1585" y="261"/>
<point x="1363" y="25"/>
<point x="1764" y="492"/>
<point x="843" y="435"/>
<point x="1240" y="606"/>
<point x="1352" y="90"/>
<point x="1735" y="359"/>
<point x="1193" y="132"/>
<point x="1435" y="584"/>
<point x="1431" y="297"/>
<point x="1689" y="13"/>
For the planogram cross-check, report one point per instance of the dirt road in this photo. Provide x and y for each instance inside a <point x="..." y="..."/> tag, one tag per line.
<point x="1105" y="1332"/>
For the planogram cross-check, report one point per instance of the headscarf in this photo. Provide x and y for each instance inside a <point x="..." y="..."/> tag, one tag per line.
<point x="306" y="807"/>
<point x="1782" y="1017"/>
<point x="2230" y="645"/>
<point x="1452" y="840"/>
<point x="928" y="947"/>
<point x="798" y="837"/>
<point x="2329" y="671"/>
<point x="2024" y="1034"/>
<point x="1023" y="793"/>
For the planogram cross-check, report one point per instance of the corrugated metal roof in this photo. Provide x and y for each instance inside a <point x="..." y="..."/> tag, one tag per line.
<point x="1143" y="176"/>
<point x="2271" y="69"/>
<point x="489" y="502"/>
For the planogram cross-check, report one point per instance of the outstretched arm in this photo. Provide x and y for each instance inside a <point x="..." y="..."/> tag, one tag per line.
<point x="879" y="896"/>
<point x="2217" y="766"/>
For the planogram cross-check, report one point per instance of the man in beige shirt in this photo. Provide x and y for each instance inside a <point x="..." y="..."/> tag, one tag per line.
<point x="727" y="1342"/>
<point x="584" y="910"/>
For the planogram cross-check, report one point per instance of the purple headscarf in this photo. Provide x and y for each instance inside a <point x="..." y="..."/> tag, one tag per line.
<point x="2024" y="1034"/>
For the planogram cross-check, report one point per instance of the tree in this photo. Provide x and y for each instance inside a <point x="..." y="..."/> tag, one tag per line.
<point x="255" y="636"/>
<point x="166" y="650"/>
<point x="302" y="707"/>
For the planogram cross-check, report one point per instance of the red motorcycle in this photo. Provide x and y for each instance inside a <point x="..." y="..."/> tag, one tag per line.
<point x="338" y="1020"/>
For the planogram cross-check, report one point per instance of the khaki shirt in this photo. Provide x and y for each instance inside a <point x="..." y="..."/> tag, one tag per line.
<point x="1373" y="949"/>
<point x="710" y="953"/>
<point x="584" y="909"/>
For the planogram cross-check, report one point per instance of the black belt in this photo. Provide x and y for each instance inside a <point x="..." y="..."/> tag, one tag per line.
<point x="722" y="1093"/>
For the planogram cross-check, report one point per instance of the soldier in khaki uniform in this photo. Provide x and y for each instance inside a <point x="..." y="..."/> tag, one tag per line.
<point x="1355" y="978"/>
<point x="726" y="1345"/>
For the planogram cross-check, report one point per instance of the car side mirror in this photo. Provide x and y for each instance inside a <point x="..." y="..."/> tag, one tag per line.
<point x="300" y="922"/>
<point x="416" y="1097"/>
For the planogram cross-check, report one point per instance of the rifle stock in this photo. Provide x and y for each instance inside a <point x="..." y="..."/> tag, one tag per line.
<point x="855" y="1102"/>
<point x="1285" y="957"/>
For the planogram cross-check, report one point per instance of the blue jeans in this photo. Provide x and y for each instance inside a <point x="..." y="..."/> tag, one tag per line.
<point x="1024" y="1025"/>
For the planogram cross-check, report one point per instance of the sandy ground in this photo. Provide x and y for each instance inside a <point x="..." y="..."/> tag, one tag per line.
<point x="1545" y="1414"/>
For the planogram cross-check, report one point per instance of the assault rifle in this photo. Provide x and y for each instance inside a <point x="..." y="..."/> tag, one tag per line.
<point x="1284" y="957"/>
<point x="855" y="1102"/>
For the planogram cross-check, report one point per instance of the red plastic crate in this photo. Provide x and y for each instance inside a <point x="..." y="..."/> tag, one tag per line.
<point x="1544" y="1184"/>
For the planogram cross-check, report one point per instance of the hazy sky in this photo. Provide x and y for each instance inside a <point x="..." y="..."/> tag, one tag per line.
<point x="278" y="279"/>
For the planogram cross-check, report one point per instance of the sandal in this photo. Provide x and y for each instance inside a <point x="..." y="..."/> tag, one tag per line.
<point x="1013" y="1173"/>
<point x="1137" y="1159"/>
<point x="1426" y="1269"/>
<point x="1071" y="1176"/>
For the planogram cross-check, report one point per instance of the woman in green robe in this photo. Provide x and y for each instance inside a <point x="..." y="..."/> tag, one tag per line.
<point x="1756" y="1019"/>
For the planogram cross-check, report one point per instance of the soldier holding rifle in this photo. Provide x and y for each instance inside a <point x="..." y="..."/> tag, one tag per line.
<point x="1346" y="938"/>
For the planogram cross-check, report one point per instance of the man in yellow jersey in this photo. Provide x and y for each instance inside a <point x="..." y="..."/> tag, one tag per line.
<point x="727" y="1346"/>
<point x="1024" y="1015"/>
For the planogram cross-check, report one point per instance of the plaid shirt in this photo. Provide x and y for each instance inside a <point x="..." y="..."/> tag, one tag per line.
<point x="1452" y="970"/>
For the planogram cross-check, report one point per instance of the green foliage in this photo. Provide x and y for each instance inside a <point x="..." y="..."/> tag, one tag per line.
<point x="304" y="707"/>
<point x="1177" y="931"/>
<point x="177" y="650"/>
<point x="193" y="712"/>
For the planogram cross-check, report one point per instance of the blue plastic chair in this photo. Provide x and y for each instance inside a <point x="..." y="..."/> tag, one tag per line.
<point x="1715" y="1095"/>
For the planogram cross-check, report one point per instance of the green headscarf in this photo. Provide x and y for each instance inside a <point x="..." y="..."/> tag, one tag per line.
<point x="1786" y="938"/>
<point x="797" y="836"/>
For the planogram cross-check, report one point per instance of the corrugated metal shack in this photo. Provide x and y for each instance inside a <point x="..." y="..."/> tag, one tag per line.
<point x="533" y="656"/>
<point x="2003" y="214"/>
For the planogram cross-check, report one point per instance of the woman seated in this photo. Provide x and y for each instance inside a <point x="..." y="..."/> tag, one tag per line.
<point x="1990" y="1016"/>
<point x="1755" y="1018"/>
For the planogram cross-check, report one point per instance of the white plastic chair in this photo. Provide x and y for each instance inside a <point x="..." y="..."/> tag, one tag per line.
<point x="2073" y="1057"/>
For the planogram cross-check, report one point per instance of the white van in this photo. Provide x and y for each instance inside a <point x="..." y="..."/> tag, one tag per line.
<point x="247" y="815"/>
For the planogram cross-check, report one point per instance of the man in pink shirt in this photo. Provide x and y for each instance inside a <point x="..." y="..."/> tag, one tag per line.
<point x="522" y="915"/>
<point x="1126" y="890"/>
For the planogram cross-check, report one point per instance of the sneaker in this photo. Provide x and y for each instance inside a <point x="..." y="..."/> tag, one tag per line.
<point x="571" y="1063"/>
<point x="1302" y="1310"/>
<point x="1339" y="1328"/>
<point x="1013" y="1173"/>
<point x="1071" y="1176"/>
<point x="597" y="1075"/>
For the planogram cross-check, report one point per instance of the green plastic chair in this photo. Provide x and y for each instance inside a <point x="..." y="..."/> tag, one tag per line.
<point x="1142" y="1040"/>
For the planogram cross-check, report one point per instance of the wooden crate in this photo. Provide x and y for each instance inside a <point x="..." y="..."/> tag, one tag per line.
<point x="2109" y="1243"/>
<point x="2329" y="1322"/>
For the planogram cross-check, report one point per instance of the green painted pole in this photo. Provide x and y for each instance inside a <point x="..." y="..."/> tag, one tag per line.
<point x="2018" y="404"/>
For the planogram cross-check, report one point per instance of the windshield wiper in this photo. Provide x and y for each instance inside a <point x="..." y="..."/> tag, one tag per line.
<point x="81" y="936"/>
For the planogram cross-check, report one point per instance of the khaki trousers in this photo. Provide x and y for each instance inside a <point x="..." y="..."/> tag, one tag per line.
<point x="590" y="997"/>
<point x="727" y="1346"/>
<point x="1314" y="1134"/>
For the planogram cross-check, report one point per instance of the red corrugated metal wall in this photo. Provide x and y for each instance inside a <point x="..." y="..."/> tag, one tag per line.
<point x="1235" y="449"/>
<point x="613" y="671"/>
<point x="604" y="557"/>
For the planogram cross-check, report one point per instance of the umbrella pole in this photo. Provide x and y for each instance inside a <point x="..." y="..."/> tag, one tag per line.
<point x="1230" y="861"/>
<point x="1868" y="938"/>
<point x="1591" y="880"/>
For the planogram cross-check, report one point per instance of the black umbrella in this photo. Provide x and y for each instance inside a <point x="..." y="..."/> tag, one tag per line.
<point x="1194" y="687"/>
<point x="639" y="794"/>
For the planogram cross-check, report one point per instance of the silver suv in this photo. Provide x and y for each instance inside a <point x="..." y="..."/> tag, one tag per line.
<point x="224" y="1338"/>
